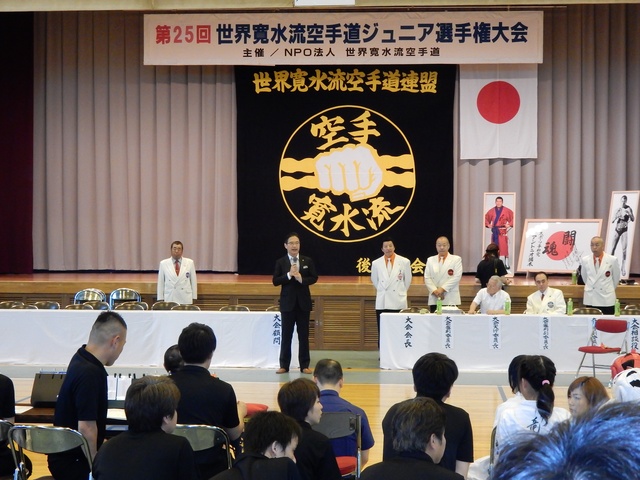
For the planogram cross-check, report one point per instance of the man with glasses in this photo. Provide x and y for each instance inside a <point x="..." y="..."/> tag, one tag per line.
<point x="294" y="273"/>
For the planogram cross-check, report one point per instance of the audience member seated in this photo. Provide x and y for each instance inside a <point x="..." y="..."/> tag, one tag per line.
<point x="545" y="300"/>
<point x="601" y="444"/>
<point x="173" y="360"/>
<point x="270" y="440"/>
<point x="491" y="300"/>
<point x="433" y="377"/>
<point x="329" y="378"/>
<point x="626" y="386"/>
<point x="584" y="394"/>
<point x="206" y="400"/>
<point x="147" y="449"/>
<point x="8" y="413"/>
<point x="418" y="435"/>
<point x="514" y="401"/>
<point x="300" y="399"/>
<point x="536" y="413"/>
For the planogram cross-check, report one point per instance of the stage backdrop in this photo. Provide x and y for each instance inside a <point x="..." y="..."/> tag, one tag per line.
<point x="345" y="156"/>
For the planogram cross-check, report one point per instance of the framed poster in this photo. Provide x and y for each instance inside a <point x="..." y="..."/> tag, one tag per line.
<point x="621" y="227"/>
<point x="555" y="245"/>
<point x="498" y="223"/>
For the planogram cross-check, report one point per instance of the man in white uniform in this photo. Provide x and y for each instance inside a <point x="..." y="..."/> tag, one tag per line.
<point x="491" y="300"/>
<point x="601" y="275"/>
<point x="546" y="300"/>
<point x="442" y="275"/>
<point x="391" y="275"/>
<point x="177" y="277"/>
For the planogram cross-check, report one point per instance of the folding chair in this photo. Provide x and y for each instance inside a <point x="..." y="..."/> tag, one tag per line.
<point x="98" y="304"/>
<point x="44" y="440"/>
<point x="89" y="294"/>
<point x="186" y="306"/>
<point x="47" y="305"/>
<point x="596" y="347"/>
<point x="587" y="311"/>
<point x="344" y="424"/>
<point x="202" y="437"/>
<point x="161" y="305"/>
<point x="120" y="295"/>
<point x="132" y="306"/>
<point x="234" y="308"/>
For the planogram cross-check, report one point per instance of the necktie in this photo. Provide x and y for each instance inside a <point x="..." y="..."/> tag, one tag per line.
<point x="294" y="260"/>
<point x="177" y="267"/>
<point x="542" y="297"/>
<point x="389" y="266"/>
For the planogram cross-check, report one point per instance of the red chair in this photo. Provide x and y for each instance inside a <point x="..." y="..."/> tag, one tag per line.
<point x="603" y="326"/>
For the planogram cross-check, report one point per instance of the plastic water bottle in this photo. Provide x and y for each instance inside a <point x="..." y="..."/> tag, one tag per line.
<point x="574" y="277"/>
<point x="507" y="307"/>
<point x="439" y="306"/>
<point x="570" y="307"/>
<point x="616" y="308"/>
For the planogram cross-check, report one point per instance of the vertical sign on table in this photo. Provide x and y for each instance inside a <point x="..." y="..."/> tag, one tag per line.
<point x="496" y="333"/>
<point x="447" y="332"/>
<point x="544" y="333"/>
<point x="408" y="335"/>
<point x="277" y="329"/>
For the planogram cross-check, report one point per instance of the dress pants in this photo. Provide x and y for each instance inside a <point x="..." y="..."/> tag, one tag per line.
<point x="299" y="319"/>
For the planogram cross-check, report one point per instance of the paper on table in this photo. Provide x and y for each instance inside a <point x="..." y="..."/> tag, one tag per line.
<point x="116" y="414"/>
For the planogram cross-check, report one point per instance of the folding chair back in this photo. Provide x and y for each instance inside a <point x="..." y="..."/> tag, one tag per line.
<point x="89" y="294"/>
<point x="344" y="424"/>
<point x="202" y="437"/>
<point x="120" y="295"/>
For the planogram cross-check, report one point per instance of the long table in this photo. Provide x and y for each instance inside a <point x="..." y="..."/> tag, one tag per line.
<point x="49" y="338"/>
<point x="487" y="342"/>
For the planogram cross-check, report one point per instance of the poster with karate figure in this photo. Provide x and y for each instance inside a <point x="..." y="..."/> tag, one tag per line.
<point x="621" y="228"/>
<point x="499" y="221"/>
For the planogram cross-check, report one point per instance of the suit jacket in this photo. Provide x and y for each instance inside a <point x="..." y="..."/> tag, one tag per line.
<point x="181" y="288"/>
<point x="391" y="289"/>
<point x="446" y="276"/>
<point x="292" y="292"/>
<point x="600" y="286"/>
<point x="409" y="466"/>
<point x="553" y="302"/>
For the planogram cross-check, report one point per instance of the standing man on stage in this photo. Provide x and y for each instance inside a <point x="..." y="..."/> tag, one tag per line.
<point x="177" y="277"/>
<point x="442" y="275"/>
<point x="601" y="275"/>
<point x="391" y="275"/>
<point x="82" y="401"/>
<point x="294" y="273"/>
<point x="500" y="220"/>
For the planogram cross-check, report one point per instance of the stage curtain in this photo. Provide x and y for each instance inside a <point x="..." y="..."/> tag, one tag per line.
<point x="128" y="157"/>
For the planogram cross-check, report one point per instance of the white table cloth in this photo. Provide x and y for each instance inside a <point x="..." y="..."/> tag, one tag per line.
<point x="488" y="342"/>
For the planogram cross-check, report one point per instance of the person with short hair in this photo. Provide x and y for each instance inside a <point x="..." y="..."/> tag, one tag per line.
<point x="442" y="275"/>
<point x="391" y="276"/>
<point x="270" y="440"/>
<point x="172" y="359"/>
<point x="330" y="380"/>
<point x="300" y="399"/>
<point x="584" y="394"/>
<point x="491" y="300"/>
<point x="177" y="280"/>
<point x="546" y="300"/>
<point x="418" y="434"/>
<point x="536" y="413"/>
<point x="147" y="449"/>
<point x="206" y="400"/>
<point x="602" y="444"/>
<point x="294" y="273"/>
<point x="601" y="275"/>
<point x="82" y="401"/>
<point x="433" y="376"/>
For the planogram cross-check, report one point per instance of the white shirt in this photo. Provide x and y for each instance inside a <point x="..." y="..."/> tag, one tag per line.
<point x="488" y="302"/>
<point x="552" y="303"/>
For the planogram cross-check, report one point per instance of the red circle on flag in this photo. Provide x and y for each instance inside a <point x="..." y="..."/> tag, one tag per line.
<point x="498" y="102"/>
<point x="556" y="250"/>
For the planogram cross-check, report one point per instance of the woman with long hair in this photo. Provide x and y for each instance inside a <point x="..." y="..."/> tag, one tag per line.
<point x="491" y="265"/>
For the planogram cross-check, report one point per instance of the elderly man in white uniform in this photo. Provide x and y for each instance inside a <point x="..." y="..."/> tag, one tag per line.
<point x="442" y="275"/>
<point x="491" y="300"/>
<point x="546" y="300"/>
<point x="391" y="275"/>
<point x="601" y="275"/>
<point x="177" y="280"/>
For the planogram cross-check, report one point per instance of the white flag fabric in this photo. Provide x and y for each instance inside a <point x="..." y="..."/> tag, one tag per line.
<point x="498" y="111"/>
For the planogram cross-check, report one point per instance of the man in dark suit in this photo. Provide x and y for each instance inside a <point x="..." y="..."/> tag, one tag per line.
<point x="294" y="273"/>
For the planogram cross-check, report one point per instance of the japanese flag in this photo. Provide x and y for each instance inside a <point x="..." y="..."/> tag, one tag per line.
<point x="499" y="111"/>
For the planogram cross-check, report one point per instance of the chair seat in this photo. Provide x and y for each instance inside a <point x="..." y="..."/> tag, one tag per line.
<point x="346" y="465"/>
<point x="253" y="408"/>
<point x="598" y="349"/>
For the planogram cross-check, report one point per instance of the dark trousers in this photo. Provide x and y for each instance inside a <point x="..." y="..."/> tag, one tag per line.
<point x="605" y="310"/>
<point x="378" y="313"/>
<point x="299" y="319"/>
<point x="70" y="465"/>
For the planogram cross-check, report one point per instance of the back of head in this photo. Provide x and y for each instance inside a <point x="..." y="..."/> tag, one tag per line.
<point x="328" y="372"/>
<point x="491" y="251"/>
<point x="173" y="359"/>
<point x="602" y="444"/>
<point x="296" y="398"/>
<point x="197" y="343"/>
<point x="148" y="400"/>
<point x="626" y="386"/>
<point x="434" y="375"/>
<point x="540" y="372"/>
<point x="514" y="368"/>
<point x="414" y="423"/>
<point x="592" y="389"/>
<point x="268" y="427"/>
<point x="107" y="325"/>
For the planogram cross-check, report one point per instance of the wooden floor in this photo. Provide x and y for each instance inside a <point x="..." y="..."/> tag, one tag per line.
<point x="479" y="401"/>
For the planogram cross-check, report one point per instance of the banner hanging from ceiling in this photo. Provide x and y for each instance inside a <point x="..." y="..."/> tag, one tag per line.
<point x="343" y="38"/>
